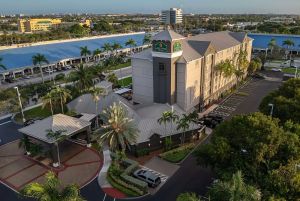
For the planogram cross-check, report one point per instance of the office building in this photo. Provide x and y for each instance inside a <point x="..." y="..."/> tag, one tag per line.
<point x="171" y="17"/>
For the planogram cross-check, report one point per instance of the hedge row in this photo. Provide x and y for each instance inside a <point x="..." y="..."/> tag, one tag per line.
<point x="125" y="185"/>
<point x="123" y="189"/>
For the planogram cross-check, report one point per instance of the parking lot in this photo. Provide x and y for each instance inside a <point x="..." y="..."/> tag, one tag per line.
<point x="247" y="98"/>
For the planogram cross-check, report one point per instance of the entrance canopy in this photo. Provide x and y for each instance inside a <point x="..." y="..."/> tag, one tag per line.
<point x="67" y="125"/>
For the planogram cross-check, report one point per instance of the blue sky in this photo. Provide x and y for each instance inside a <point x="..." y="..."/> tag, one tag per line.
<point x="148" y="6"/>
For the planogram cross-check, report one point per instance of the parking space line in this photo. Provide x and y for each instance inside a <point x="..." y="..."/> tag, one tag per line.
<point x="221" y="113"/>
<point x="162" y="176"/>
<point x="104" y="197"/>
<point x="5" y="123"/>
<point x="227" y="108"/>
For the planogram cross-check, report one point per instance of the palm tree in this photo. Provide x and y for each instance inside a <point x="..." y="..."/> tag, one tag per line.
<point x="96" y="53"/>
<point x="83" y="78"/>
<point x="184" y="125"/>
<point x="173" y="117"/>
<point x="272" y="44"/>
<point x="235" y="190"/>
<point x="51" y="190"/>
<point x="254" y="65"/>
<point x="96" y="93"/>
<point x="147" y="39"/>
<point x="164" y="119"/>
<point x="116" y="46"/>
<point x="25" y="142"/>
<point x="58" y="137"/>
<point x="131" y="43"/>
<point x="84" y="52"/>
<point x="121" y="130"/>
<point x="288" y="43"/>
<point x="63" y="94"/>
<point x="113" y="79"/>
<point x="40" y="59"/>
<point x="48" y="100"/>
<point x="107" y="47"/>
<point x="1" y="65"/>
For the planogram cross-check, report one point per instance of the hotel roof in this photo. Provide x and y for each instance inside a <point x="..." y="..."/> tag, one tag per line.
<point x="59" y="122"/>
<point x="168" y="35"/>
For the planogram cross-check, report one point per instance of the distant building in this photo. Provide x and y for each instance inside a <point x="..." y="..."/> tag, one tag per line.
<point x="36" y="25"/>
<point x="172" y="16"/>
<point x="281" y="20"/>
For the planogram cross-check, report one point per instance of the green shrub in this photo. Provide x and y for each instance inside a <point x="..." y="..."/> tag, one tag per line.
<point x="141" y="185"/>
<point x="60" y="76"/>
<point x="121" y="188"/>
<point x="142" y="152"/>
<point x="178" y="154"/>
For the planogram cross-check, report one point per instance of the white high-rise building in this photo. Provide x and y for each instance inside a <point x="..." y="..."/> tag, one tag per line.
<point x="172" y="16"/>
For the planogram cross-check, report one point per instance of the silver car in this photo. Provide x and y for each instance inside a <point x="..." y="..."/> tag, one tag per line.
<point x="151" y="179"/>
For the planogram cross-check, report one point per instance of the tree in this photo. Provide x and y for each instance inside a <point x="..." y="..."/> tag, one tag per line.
<point x="288" y="43"/>
<point x="255" y="144"/>
<point x="48" y="101"/>
<point x="96" y="93"/>
<point x="62" y="94"/>
<point x="52" y="190"/>
<point x="254" y="65"/>
<point x="234" y="190"/>
<point x="82" y="77"/>
<point x="113" y="79"/>
<point x="39" y="59"/>
<point x="183" y="124"/>
<point x="107" y="47"/>
<point x="147" y="39"/>
<point x="84" y="52"/>
<point x="116" y="46"/>
<point x="286" y="101"/>
<point x="1" y="65"/>
<point x="188" y="197"/>
<point x="272" y="44"/>
<point x="96" y="53"/>
<point x="226" y="68"/>
<point x="242" y="64"/>
<point x="120" y="129"/>
<point x="131" y="43"/>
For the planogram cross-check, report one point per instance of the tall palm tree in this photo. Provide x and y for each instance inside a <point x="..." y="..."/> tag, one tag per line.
<point x="289" y="43"/>
<point x="57" y="136"/>
<point x="83" y="78"/>
<point x="2" y="65"/>
<point x="84" y="52"/>
<point x="96" y="93"/>
<point x="96" y="53"/>
<point x="39" y="59"/>
<point x="235" y="190"/>
<point x="173" y="117"/>
<point x="147" y="39"/>
<point x="48" y="100"/>
<point x="164" y="119"/>
<point x="63" y="94"/>
<point x="131" y="43"/>
<point x="116" y="46"/>
<point x="272" y="44"/>
<point x="52" y="190"/>
<point x="121" y="130"/>
<point x="184" y="124"/>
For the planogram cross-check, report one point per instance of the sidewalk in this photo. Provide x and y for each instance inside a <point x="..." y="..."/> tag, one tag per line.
<point x="102" y="181"/>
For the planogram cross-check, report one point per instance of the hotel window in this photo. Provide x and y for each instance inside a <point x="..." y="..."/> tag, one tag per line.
<point x="161" y="67"/>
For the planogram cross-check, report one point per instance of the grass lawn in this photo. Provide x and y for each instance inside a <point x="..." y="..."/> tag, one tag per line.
<point x="125" y="82"/>
<point x="124" y="65"/>
<point x="178" y="154"/>
<point x="37" y="112"/>
<point x="289" y="70"/>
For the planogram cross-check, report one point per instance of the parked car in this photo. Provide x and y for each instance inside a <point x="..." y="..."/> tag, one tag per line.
<point x="215" y="117"/>
<point x="29" y="122"/>
<point x="259" y="76"/>
<point x="276" y="69"/>
<point x="209" y="122"/>
<point x="150" y="178"/>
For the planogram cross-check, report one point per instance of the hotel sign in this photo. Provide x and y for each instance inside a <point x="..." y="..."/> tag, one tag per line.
<point x="177" y="47"/>
<point x="160" y="46"/>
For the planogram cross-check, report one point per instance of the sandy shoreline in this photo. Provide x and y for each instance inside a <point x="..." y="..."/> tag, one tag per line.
<point x="65" y="40"/>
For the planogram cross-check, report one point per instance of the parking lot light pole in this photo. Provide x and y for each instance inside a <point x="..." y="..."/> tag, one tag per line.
<point x="272" y="108"/>
<point x="20" y="103"/>
<point x="296" y="72"/>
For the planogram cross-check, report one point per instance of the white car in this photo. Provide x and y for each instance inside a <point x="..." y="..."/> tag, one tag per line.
<point x="276" y="69"/>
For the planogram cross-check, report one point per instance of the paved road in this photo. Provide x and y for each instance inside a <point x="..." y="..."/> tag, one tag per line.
<point x="189" y="178"/>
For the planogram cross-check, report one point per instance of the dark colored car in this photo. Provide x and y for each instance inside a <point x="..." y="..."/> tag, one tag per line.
<point x="29" y="122"/>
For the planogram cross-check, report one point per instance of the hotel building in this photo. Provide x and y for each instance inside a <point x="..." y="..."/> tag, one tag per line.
<point x="182" y="71"/>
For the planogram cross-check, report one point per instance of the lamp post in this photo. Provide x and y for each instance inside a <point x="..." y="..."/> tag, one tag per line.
<point x="272" y="109"/>
<point x="20" y="103"/>
<point x="296" y="72"/>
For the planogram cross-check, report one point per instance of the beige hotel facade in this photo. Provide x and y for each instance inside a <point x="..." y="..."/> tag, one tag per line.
<point x="182" y="70"/>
